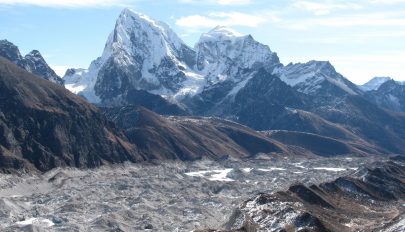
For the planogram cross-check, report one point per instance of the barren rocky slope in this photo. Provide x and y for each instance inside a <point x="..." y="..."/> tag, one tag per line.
<point x="190" y="138"/>
<point x="371" y="199"/>
<point x="43" y="126"/>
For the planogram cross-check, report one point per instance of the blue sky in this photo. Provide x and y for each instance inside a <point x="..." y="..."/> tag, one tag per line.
<point x="362" y="38"/>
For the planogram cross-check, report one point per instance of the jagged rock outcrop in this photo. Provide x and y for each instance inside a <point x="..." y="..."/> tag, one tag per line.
<point x="33" y="62"/>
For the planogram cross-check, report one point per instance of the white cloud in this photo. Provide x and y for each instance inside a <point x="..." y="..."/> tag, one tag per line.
<point x="361" y="68"/>
<point x="324" y="8"/>
<point x="220" y="18"/>
<point x="354" y="37"/>
<point x="60" y="69"/>
<point x="220" y="2"/>
<point x="196" y="21"/>
<point x="388" y="2"/>
<point x="68" y="3"/>
<point x="369" y="20"/>
<point x="233" y="2"/>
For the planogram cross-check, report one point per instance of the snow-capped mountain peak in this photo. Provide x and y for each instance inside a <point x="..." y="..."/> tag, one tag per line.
<point x="144" y="54"/>
<point x="374" y="83"/>
<point x="138" y="34"/>
<point x="140" y="53"/>
<point x="311" y="77"/>
<point x="223" y="54"/>
<point x="387" y="93"/>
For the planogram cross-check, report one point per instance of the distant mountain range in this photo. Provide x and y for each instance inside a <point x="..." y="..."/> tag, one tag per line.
<point x="233" y="76"/>
<point x="144" y="54"/>
<point x="146" y="69"/>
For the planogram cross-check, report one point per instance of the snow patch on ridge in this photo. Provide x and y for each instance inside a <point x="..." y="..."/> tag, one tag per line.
<point x="82" y="81"/>
<point x="193" y="85"/>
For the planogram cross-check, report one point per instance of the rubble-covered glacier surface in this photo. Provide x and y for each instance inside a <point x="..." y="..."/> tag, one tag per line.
<point x="166" y="196"/>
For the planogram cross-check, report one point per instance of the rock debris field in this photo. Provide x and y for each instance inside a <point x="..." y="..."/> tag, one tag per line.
<point x="166" y="196"/>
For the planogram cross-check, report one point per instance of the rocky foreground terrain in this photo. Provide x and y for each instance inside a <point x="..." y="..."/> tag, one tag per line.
<point x="169" y="196"/>
<point x="370" y="199"/>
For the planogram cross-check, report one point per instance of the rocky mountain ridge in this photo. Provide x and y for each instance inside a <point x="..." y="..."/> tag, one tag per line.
<point x="33" y="62"/>
<point x="389" y="95"/>
<point x="43" y="126"/>
<point x="374" y="83"/>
